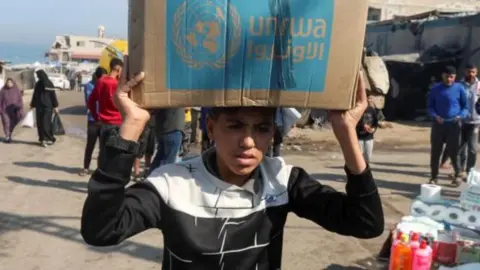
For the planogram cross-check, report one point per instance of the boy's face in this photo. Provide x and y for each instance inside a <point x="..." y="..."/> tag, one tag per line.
<point x="118" y="69"/>
<point x="242" y="137"/>
<point x="448" y="78"/>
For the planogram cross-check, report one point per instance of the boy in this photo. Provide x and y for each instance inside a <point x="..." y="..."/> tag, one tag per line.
<point x="447" y="106"/>
<point x="366" y="127"/>
<point x="228" y="208"/>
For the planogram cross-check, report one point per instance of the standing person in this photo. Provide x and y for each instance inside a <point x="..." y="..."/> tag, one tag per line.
<point x="79" y="82"/>
<point x="11" y="108"/>
<point x="366" y="128"/>
<point x="169" y="125"/>
<point x="93" y="128"/>
<point x="278" y="135"/>
<point x="447" y="106"/>
<point x="206" y="142"/>
<point x="227" y="209"/>
<point x="469" y="137"/>
<point x="148" y="142"/>
<point x="106" y="114"/>
<point x="45" y="103"/>
<point x="73" y="79"/>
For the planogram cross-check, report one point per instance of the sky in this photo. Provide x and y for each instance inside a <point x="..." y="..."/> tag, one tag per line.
<point x="39" y="21"/>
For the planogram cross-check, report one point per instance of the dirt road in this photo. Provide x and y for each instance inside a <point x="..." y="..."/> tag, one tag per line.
<point x="41" y="198"/>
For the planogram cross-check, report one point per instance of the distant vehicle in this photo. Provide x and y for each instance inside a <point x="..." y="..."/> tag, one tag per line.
<point x="59" y="80"/>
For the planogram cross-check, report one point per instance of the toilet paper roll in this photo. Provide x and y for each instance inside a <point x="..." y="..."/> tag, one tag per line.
<point x="455" y="216"/>
<point x="471" y="219"/>
<point x="419" y="208"/>
<point x="437" y="212"/>
<point x="430" y="193"/>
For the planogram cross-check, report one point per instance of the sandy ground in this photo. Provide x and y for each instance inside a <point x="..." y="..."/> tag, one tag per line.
<point x="41" y="198"/>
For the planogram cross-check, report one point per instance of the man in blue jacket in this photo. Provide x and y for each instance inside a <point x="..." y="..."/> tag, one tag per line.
<point x="469" y="138"/>
<point x="447" y="105"/>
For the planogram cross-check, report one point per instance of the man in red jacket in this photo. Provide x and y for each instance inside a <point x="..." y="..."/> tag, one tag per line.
<point x="101" y="104"/>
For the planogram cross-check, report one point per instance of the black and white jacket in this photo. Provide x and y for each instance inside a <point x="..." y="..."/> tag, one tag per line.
<point x="210" y="224"/>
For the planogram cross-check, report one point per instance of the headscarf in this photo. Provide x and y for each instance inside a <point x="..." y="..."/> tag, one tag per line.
<point x="44" y="81"/>
<point x="10" y="98"/>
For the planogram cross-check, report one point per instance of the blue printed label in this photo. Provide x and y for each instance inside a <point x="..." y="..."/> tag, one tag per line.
<point x="248" y="44"/>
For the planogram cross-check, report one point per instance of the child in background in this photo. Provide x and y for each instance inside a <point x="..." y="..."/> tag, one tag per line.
<point x="366" y="128"/>
<point x="187" y="134"/>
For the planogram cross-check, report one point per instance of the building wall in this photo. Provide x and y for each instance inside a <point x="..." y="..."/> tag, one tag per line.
<point x="391" y="8"/>
<point x="453" y="34"/>
<point x="71" y="46"/>
<point x="88" y="44"/>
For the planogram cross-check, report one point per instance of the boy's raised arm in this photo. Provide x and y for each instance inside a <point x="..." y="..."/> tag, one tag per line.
<point x="112" y="212"/>
<point x="358" y="212"/>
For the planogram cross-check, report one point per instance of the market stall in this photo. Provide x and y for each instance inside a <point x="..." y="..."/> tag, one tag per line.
<point x="439" y="232"/>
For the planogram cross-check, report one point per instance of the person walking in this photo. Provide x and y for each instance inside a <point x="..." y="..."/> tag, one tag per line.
<point x="447" y="106"/>
<point x="45" y="103"/>
<point x="169" y="125"/>
<point x="11" y="108"/>
<point x="93" y="128"/>
<point x="469" y="136"/>
<point x="101" y="106"/>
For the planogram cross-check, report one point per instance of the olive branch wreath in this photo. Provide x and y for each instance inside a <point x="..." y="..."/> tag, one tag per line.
<point x="187" y="58"/>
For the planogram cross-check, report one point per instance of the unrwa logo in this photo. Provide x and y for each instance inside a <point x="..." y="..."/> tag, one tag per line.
<point x="201" y="36"/>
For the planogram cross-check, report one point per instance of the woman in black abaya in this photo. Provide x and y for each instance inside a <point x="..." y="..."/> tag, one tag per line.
<point x="45" y="103"/>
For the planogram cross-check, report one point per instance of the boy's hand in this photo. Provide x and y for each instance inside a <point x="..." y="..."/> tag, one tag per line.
<point x="348" y="120"/>
<point x="368" y="129"/>
<point x="344" y="124"/>
<point x="439" y="119"/>
<point x="134" y="117"/>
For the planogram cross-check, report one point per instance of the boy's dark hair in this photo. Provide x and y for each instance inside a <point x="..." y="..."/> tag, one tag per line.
<point x="215" y="112"/>
<point x="115" y="62"/>
<point x="450" y="70"/>
<point x="470" y="65"/>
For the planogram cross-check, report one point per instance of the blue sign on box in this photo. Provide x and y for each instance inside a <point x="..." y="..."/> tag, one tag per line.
<point x="248" y="44"/>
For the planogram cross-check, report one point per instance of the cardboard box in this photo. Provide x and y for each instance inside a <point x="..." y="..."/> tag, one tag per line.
<point x="219" y="52"/>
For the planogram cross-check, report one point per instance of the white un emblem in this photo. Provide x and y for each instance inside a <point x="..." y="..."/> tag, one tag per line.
<point x="199" y="31"/>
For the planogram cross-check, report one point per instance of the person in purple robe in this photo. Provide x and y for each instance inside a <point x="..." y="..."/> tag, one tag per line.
<point x="11" y="108"/>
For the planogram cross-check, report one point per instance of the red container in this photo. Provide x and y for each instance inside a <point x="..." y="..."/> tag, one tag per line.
<point x="445" y="248"/>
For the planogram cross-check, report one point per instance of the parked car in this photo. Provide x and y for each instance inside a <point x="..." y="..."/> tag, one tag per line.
<point x="59" y="80"/>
